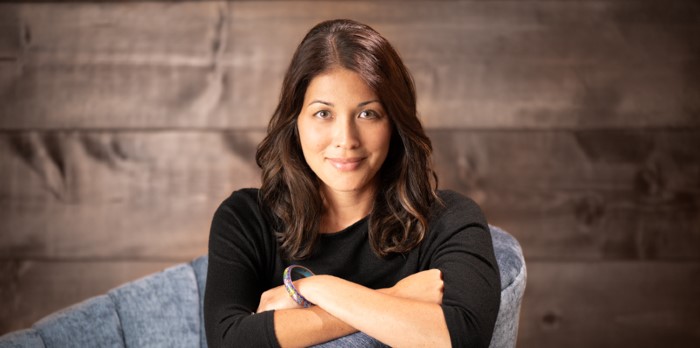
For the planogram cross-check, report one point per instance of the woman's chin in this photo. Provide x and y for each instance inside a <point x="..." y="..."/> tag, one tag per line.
<point x="348" y="187"/>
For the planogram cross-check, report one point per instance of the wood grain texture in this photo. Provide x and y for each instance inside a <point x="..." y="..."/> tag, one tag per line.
<point x="590" y="195"/>
<point x="158" y="33"/>
<point x="30" y="290"/>
<point x="611" y="304"/>
<point x="539" y="65"/>
<point x="112" y="195"/>
<point x="508" y="64"/>
<point x="585" y="194"/>
<point x="110" y="65"/>
<point x="10" y="32"/>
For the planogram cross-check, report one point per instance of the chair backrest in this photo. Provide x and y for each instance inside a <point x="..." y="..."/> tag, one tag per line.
<point x="165" y="309"/>
<point x="161" y="310"/>
<point x="511" y="264"/>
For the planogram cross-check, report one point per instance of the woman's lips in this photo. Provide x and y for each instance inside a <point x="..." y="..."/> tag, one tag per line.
<point x="346" y="164"/>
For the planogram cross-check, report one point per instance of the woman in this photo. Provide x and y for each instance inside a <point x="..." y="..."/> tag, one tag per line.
<point x="349" y="193"/>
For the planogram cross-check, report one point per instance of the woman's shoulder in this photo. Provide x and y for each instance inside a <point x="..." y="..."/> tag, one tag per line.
<point x="243" y="197"/>
<point x="240" y="216"/>
<point x="243" y="203"/>
<point x="240" y="231"/>
<point x="456" y="208"/>
<point x="452" y="201"/>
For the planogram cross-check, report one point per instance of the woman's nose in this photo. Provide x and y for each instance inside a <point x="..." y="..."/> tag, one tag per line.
<point x="346" y="134"/>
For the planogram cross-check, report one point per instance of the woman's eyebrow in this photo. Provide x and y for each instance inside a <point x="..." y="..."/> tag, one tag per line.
<point x="331" y="104"/>
<point x="368" y="102"/>
<point x="321" y="102"/>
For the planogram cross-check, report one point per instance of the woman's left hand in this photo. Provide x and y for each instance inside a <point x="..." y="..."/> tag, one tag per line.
<point x="276" y="298"/>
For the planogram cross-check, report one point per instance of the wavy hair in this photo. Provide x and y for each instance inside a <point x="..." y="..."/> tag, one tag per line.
<point x="290" y="191"/>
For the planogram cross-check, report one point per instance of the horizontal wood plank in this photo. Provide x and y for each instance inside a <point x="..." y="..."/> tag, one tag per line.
<point x="611" y="304"/>
<point x="30" y="290"/>
<point x="537" y="65"/>
<point x="582" y="195"/>
<point x="141" y="32"/>
<point x="10" y="32"/>
<point x="112" y="97"/>
<point x="505" y="64"/>
<point x="595" y="195"/>
<point x="117" y="195"/>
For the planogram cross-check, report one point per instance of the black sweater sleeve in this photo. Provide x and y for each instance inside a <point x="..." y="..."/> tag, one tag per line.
<point x="460" y="246"/>
<point x="235" y="276"/>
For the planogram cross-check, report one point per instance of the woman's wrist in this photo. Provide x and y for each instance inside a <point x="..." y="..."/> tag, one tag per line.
<point x="311" y="287"/>
<point x="290" y="286"/>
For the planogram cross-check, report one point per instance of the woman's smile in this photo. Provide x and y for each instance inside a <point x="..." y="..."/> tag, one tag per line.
<point x="346" y="164"/>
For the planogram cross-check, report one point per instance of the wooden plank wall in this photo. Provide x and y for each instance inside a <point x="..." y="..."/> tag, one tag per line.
<point x="575" y="124"/>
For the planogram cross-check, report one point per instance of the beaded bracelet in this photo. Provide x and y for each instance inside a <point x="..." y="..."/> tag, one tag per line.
<point x="291" y="290"/>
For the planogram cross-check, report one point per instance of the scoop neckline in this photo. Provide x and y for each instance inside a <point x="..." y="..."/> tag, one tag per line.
<point x="345" y="231"/>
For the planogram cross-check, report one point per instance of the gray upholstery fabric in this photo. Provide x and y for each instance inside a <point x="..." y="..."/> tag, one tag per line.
<point x="91" y="323"/>
<point x="511" y="264"/>
<point x="22" y="338"/>
<point x="160" y="310"/>
<point x="165" y="310"/>
<point x="356" y="340"/>
<point x="200" y="271"/>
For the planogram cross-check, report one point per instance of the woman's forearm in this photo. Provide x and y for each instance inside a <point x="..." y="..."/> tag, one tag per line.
<point x="305" y="327"/>
<point x="395" y="321"/>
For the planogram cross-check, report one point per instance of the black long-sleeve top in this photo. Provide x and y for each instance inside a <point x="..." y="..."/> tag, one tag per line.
<point x="244" y="262"/>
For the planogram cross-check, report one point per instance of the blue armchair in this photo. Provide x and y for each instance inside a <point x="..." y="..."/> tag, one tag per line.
<point x="165" y="309"/>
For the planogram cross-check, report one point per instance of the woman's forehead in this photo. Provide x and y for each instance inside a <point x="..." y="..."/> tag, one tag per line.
<point x="337" y="86"/>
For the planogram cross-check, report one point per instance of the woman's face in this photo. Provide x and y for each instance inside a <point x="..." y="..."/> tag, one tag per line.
<point x="344" y="131"/>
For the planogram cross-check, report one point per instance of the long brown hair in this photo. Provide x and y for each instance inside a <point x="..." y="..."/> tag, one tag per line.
<point x="407" y="183"/>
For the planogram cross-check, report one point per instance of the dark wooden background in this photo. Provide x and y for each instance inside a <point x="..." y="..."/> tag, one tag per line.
<point x="575" y="124"/>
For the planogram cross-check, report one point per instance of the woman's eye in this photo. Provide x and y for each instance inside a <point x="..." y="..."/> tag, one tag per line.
<point x="369" y="114"/>
<point x="322" y="114"/>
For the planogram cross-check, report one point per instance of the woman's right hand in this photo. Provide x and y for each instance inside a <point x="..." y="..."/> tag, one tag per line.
<point x="276" y="298"/>
<point x="425" y="286"/>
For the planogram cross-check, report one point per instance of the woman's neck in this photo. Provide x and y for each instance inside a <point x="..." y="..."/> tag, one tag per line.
<point x="343" y="209"/>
